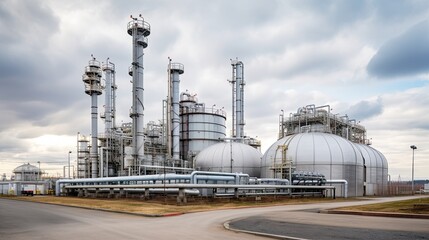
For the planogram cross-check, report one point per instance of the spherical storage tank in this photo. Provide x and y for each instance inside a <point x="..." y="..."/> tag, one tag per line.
<point x="375" y="170"/>
<point x="328" y="154"/>
<point x="27" y="172"/>
<point x="230" y="157"/>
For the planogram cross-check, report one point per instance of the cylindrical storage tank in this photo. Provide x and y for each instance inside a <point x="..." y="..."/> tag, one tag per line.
<point x="328" y="154"/>
<point x="230" y="157"/>
<point x="200" y="127"/>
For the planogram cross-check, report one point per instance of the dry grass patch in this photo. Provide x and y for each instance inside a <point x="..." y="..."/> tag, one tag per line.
<point x="163" y="206"/>
<point x="405" y="206"/>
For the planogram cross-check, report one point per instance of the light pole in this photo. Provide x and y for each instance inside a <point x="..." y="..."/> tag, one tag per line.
<point x="412" y="171"/>
<point x="69" y="163"/>
<point x="38" y="172"/>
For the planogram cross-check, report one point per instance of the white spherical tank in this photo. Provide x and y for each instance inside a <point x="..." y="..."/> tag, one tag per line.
<point x="328" y="154"/>
<point x="376" y="170"/>
<point x="230" y="157"/>
<point x="27" y="172"/>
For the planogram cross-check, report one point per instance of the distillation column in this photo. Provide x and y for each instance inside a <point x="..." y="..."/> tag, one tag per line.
<point x="139" y="30"/>
<point x="109" y="73"/>
<point x="175" y="69"/>
<point x="238" y="98"/>
<point x="91" y="79"/>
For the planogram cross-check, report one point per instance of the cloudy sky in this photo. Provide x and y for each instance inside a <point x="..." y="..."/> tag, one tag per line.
<point x="367" y="59"/>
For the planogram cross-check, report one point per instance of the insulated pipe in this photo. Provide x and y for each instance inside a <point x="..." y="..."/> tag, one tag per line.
<point x="175" y="70"/>
<point x="277" y="181"/>
<point x="160" y="177"/>
<point x="215" y="178"/>
<point x="117" y="180"/>
<point x="236" y="175"/>
<point x="341" y="181"/>
<point x="139" y="30"/>
<point x="168" y="191"/>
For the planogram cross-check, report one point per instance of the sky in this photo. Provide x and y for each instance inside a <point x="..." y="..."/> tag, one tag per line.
<point x="368" y="59"/>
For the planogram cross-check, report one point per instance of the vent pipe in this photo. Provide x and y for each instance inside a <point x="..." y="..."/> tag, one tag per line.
<point x="139" y="30"/>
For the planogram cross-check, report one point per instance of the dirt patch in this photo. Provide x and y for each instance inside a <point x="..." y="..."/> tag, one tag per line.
<point x="168" y="206"/>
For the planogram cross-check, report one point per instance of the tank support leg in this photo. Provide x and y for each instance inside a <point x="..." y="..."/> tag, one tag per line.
<point x="181" y="198"/>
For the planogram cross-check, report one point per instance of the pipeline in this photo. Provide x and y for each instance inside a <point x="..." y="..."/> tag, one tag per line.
<point x="189" y="178"/>
<point x="276" y="181"/>
<point x="237" y="176"/>
<point x="340" y="181"/>
<point x="116" y="180"/>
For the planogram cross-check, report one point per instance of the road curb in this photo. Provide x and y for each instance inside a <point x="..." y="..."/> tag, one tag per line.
<point x="172" y="214"/>
<point x="228" y="227"/>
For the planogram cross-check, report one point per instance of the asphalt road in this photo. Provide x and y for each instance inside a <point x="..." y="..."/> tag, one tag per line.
<point x="27" y="220"/>
<point x="322" y="232"/>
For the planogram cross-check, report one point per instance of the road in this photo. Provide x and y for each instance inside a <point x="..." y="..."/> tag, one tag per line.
<point x="28" y="220"/>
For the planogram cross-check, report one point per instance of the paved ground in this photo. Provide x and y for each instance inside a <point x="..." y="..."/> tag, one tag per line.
<point x="312" y="231"/>
<point x="27" y="220"/>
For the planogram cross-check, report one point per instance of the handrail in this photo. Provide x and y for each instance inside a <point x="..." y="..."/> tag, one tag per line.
<point x="215" y="111"/>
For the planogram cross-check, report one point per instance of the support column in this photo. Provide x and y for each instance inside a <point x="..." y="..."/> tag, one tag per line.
<point x="181" y="198"/>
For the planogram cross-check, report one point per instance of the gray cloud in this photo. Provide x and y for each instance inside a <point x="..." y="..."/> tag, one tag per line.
<point x="26" y="24"/>
<point x="295" y="53"/>
<point x="408" y="54"/>
<point x="365" y="109"/>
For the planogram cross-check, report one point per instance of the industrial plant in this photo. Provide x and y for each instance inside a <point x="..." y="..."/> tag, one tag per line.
<point x="188" y="152"/>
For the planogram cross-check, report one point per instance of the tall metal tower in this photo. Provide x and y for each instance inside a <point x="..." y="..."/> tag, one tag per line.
<point x="174" y="70"/>
<point x="237" y="83"/>
<point x="109" y="116"/>
<point x="91" y="79"/>
<point x="109" y="102"/>
<point x="139" y="30"/>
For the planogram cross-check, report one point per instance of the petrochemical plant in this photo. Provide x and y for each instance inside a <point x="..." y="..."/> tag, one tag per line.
<point x="188" y="152"/>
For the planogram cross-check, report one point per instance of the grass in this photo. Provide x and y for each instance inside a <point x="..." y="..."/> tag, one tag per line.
<point x="160" y="207"/>
<point x="405" y="206"/>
